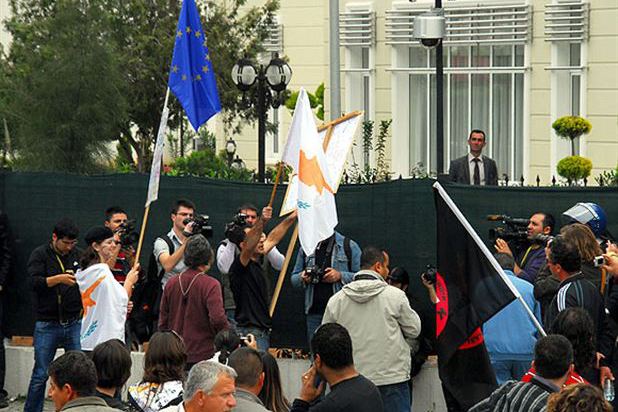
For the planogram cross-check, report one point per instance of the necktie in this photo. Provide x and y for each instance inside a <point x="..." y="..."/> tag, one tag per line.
<point x="477" y="173"/>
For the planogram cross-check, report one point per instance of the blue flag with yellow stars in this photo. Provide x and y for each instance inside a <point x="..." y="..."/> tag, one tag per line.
<point x="192" y="79"/>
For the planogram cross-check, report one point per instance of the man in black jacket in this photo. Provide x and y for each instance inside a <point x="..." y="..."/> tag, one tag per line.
<point x="474" y="168"/>
<point x="52" y="269"/>
<point x="564" y="262"/>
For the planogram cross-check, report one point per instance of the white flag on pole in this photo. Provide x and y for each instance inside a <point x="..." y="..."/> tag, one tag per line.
<point x="317" y="211"/>
<point x="155" y="169"/>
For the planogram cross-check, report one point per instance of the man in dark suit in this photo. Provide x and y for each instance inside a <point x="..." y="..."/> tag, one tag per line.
<point x="474" y="168"/>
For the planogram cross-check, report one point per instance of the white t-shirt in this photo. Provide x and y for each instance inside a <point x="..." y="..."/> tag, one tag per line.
<point x="105" y="306"/>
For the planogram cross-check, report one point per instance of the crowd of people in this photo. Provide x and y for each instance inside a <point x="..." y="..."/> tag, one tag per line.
<point x="208" y="338"/>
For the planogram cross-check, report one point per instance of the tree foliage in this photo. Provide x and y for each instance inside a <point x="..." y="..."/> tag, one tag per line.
<point x="574" y="168"/>
<point x="108" y="61"/>
<point x="66" y="93"/>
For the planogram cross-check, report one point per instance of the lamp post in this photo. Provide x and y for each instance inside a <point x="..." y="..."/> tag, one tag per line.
<point x="270" y="82"/>
<point x="230" y="150"/>
<point x="430" y="30"/>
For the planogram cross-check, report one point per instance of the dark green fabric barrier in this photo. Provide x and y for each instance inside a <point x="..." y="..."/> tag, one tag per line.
<point x="398" y="215"/>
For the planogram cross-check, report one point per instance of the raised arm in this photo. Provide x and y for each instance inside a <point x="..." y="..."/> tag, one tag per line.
<point x="275" y="236"/>
<point x="253" y="236"/>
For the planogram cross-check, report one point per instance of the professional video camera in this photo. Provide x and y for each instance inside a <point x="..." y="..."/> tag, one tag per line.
<point x="429" y="275"/>
<point x="127" y="233"/>
<point x="514" y="228"/>
<point x="201" y="225"/>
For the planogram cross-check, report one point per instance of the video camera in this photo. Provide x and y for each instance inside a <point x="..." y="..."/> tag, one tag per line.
<point x="201" y="225"/>
<point x="235" y="230"/>
<point x="515" y="229"/>
<point x="127" y="233"/>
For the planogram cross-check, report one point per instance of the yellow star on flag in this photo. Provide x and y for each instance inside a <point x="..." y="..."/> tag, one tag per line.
<point x="184" y="77"/>
<point x="207" y="57"/>
<point x="205" y="44"/>
<point x="198" y="77"/>
<point x="205" y="69"/>
<point x="188" y="29"/>
<point x="175" y="68"/>
<point x="179" y="34"/>
<point x="198" y="34"/>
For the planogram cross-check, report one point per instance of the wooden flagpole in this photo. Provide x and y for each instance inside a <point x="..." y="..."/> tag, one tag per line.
<point x="284" y="269"/>
<point x="288" y="255"/>
<point x="274" y="191"/>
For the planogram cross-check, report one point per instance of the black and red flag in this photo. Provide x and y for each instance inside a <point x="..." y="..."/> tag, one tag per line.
<point x="470" y="290"/>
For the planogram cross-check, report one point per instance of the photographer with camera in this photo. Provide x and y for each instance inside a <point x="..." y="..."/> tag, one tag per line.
<point x="121" y="262"/>
<point x="170" y="249"/>
<point x="58" y="304"/>
<point x="248" y="277"/>
<point x="323" y="273"/>
<point x="530" y="260"/>
<point x="247" y="214"/>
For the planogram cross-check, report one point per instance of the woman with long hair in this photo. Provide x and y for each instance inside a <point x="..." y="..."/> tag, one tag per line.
<point x="164" y="374"/>
<point x="104" y="300"/>
<point x="271" y="394"/>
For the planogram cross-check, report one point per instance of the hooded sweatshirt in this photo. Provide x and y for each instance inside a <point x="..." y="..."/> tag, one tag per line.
<point x="381" y="323"/>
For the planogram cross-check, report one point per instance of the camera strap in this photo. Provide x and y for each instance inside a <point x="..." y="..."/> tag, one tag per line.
<point x="329" y="253"/>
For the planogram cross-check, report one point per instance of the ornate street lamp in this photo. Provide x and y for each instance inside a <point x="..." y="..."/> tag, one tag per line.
<point x="271" y="83"/>
<point x="230" y="150"/>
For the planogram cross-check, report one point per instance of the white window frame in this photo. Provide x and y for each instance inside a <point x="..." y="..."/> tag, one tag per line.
<point x="356" y="98"/>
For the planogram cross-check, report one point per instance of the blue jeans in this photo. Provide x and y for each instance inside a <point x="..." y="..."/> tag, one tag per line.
<point x="396" y="397"/>
<point x="48" y="337"/>
<point x="314" y="321"/>
<point x="262" y="336"/>
<point x="507" y="370"/>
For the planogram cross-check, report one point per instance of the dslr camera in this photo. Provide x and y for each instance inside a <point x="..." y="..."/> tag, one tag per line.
<point x="315" y="273"/>
<point x="201" y="225"/>
<point x="429" y="275"/>
<point x="127" y="233"/>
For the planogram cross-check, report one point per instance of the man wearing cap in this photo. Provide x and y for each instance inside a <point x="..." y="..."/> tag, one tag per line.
<point x="58" y="306"/>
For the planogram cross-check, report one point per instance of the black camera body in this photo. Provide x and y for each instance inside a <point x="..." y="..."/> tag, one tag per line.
<point x="514" y="228"/>
<point x="201" y="225"/>
<point x="430" y="274"/>
<point x="127" y="233"/>
<point x="315" y="273"/>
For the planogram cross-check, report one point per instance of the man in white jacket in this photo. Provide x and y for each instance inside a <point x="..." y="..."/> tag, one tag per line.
<point x="382" y="325"/>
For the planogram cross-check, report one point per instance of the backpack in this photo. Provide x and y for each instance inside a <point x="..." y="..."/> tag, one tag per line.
<point x="147" y="298"/>
<point x="347" y="249"/>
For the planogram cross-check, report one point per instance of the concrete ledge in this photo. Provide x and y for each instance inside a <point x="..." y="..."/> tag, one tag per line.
<point x="427" y="393"/>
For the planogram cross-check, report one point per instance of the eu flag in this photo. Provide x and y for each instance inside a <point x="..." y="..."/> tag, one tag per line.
<point x="192" y="79"/>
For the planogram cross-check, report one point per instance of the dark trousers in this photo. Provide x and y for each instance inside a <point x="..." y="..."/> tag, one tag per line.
<point x="2" y="357"/>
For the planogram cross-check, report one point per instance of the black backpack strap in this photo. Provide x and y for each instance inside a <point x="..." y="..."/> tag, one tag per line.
<point x="171" y="248"/>
<point x="347" y="249"/>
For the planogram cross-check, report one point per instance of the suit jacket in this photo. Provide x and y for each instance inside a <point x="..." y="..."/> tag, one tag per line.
<point x="459" y="171"/>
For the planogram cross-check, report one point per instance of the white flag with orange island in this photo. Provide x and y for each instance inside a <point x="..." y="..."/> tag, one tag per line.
<point x="317" y="211"/>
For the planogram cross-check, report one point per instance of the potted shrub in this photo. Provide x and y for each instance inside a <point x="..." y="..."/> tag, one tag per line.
<point x="574" y="168"/>
<point x="571" y="127"/>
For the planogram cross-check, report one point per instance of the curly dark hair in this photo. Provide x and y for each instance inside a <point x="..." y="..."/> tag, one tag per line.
<point x="576" y="325"/>
<point x="578" y="398"/>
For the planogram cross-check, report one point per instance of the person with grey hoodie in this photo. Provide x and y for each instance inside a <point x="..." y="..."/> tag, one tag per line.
<point x="382" y="325"/>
